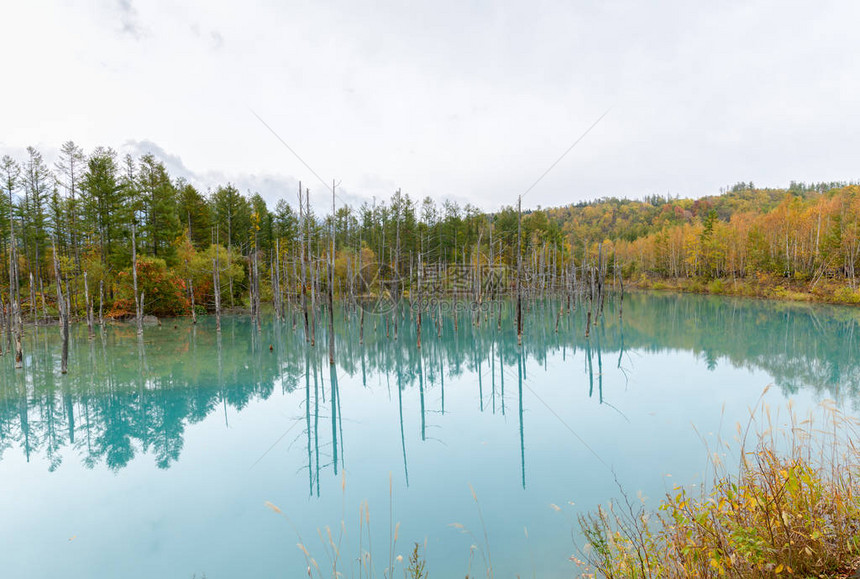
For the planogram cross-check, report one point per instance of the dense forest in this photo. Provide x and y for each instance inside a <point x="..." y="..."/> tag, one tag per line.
<point x="89" y="218"/>
<point x="114" y="229"/>
<point x="801" y="237"/>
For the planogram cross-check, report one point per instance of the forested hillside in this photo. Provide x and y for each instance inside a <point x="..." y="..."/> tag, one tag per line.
<point x="800" y="236"/>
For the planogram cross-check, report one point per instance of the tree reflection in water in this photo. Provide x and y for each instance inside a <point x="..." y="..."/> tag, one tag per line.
<point x="124" y="397"/>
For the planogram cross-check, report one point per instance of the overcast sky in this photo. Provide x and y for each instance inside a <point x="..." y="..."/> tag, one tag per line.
<point x="471" y="100"/>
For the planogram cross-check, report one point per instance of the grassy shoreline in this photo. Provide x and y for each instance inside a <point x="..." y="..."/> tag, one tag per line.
<point x="760" y="286"/>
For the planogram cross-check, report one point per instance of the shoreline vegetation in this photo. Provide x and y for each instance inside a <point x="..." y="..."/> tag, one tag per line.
<point x="761" y="287"/>
<point x="786" y="504"/>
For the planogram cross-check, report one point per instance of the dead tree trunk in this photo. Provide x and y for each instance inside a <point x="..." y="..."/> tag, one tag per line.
<point x="63" y="308"/>
<point x="3" y="326"/>
<point x="255" y="283"/>
<point x="290" y="289"/>
<point x="191" y="294"/>
<point x="216" y="283"/>
<point x="138" y="303"/>
<point x="42" y="299"/>
<point x="303" y="259"/>
<point x="519" y="272"/>
<point x="331" y="285"/>
<point x="89" y="307"/>
<point x="420" y="305"/>
<point x="276" y="282"/>
<point x="33" y="308"/>
<point x="15" y="307"/>
<point x="101" y="304"/>
<point x="314" y="271"/>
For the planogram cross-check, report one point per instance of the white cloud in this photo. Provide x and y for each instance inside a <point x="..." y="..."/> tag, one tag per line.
<point x="447" y="98"/>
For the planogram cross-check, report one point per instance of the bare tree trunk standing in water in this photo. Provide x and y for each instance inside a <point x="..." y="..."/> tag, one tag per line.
<point x="101" y="303"/>
<point x="138" y="303"/>
<point x="33" y="309"/>
<point x="251" y="301"/>
<point x="420" y="305"/>
<point x="398" y="292"/>
<point x="191" y="293"/>
<point x="331" y="285"/>
<point x="63" y="308"/>
<point x="291" y="288"/>
<point x="14" y="323"/>
<point x="216" y="284"/>
<point x="361" y="280"/>
<point x="19" y="351"/>
<point x="229" y="252"/>
<point x="3" y="322"/>
<point x="42" y="297"/>
<point x="276" y="282"/>
<point x="519" y="271"/>
<point x="255" y="286"/>
<point x="302" y="258"/>
<point x="314" y="276"/>
<point x="601" y="277"/>
<point x="89" y="307"/>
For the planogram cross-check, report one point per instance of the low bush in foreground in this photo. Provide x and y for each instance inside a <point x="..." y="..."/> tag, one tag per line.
<point x="792" y="508"/>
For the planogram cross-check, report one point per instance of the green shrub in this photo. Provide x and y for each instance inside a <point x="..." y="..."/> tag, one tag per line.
<point x="716" y="287"/>
<point x="847" y="295"/>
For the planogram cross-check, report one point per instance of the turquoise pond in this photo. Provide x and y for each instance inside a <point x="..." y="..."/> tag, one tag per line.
<point x="155" y="457"/>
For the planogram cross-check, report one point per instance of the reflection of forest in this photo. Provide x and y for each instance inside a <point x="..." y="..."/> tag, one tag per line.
<point x="122" y="398"/>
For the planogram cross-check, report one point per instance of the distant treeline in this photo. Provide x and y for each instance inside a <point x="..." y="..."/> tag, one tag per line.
<point x="804" y="233"/>
<point x="87" y="208"/>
